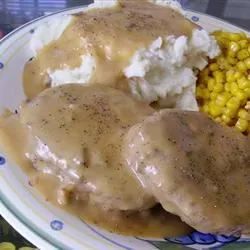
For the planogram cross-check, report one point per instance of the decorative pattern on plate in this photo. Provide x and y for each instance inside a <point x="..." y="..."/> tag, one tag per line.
<point x="195" y="18"/>
<point x="56" y="225"/>
<point x="2" y="160"/>
<point x="197" y="240"/>
<point x="203" y="239"/>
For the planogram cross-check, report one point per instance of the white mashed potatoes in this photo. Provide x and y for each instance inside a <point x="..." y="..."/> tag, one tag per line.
<point x="163" y="72"/>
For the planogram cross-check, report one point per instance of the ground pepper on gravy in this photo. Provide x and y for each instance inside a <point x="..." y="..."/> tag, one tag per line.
<point x="111" y="36"/>
<point x="91" y="110"/>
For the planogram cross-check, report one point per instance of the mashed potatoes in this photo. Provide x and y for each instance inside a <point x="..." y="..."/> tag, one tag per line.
<point x="162" y="72"/>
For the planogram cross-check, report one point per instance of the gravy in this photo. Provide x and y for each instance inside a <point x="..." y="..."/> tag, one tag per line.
<point x="111" y="36"/>
<point x="197" y="169"/>
<point x="154" y="222"/>
<point x="138" y="218"/>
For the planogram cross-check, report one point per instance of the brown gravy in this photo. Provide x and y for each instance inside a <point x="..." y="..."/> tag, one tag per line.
<point x="152" y="222"/>
<point x="111" y="36"/>
<point x="155" y="222"/>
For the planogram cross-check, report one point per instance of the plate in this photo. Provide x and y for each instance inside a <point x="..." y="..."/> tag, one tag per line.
<point x="46" y="226"/>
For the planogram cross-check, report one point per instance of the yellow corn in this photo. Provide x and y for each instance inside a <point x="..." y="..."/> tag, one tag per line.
<point x="238" y="75"/>
<point x="210" y="84"/>
<point x="231" y="60"/>
<point x="225" y="118"/>
<point x="243" y="54"/>
<point x="222" y="99"/>
<point x="234" y="36"/>
<point x="214" y="109"/>
<point x="234" y="46"/>
<point x="241" y="66"/>
<point x="242" y="125"/>
<point x="243" y="43"/>
<point x="247" y="62"/>
<point x="218" y="87"/>
<point x="244" y="114"/>
<point x="213" y="66"/>
<point x="243" y="83"/>
<point x="224" y="85"/>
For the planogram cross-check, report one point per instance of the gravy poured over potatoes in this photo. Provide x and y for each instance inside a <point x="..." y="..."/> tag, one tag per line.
<point x="111" y="36"/>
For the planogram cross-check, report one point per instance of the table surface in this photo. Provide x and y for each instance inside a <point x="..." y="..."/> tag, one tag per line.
<point x="14" y="13"/>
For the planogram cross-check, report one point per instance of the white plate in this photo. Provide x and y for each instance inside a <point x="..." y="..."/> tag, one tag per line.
<point x="49" y="227"/>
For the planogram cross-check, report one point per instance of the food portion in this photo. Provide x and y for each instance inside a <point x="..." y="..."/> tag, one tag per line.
<point x="94" y="134"/>
<point x="129" y="45"/>
<point x="72" y="136"/>
<point x="195" y="168"/>
<point x="223" y="88"/>
<point x="114" y="161"/>
<point x="79" y="139"/>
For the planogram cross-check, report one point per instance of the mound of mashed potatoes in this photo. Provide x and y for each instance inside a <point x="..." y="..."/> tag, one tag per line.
<point x="158" y="68"/>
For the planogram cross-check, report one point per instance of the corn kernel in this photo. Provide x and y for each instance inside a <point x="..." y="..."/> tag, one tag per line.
<point x="241" y="66"/>
<point x="238" y="75"/>
<point x="226" y="119"/>
<point x="230" y="76"/>
<point x="240" y="95"/>
<point x="234" y="88"/>
<point x="213" y="95"/>
<point x="244" y="114"/>
<point x="243" y="54"/>
<point x="210" y="84"/>
<point x="213" y="66"/>
<point x="243" y="83"/>
<point x="247" y="107"/>
<point x="243" y="43"/>
<point x="215" y="110"/>
<point x="222" y="99"/>
<point x="233" y="103"/>
<point x="219" y="76"/>
<point x="227" y="86"/>
<point x="241" y="125"/>
<point x="234" y="36"/>
<point x="247" y="62"/>
<point x="231" y="54"/>
<point x="234" y="46"/>
<point x="232" y="60"/>
<point x="218" y="87"/>
<point x="206" y="94"/>
<point x="223" y="42"/>
<point x="218" y="119"/>
<point x="230" y="112"/>
<point x="247" y="91"/>
<point x="206" y="108"/>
